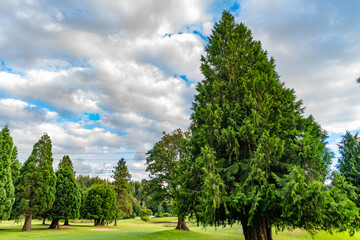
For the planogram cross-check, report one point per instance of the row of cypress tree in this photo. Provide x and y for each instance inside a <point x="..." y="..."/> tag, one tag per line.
<point x="35" y="190"/>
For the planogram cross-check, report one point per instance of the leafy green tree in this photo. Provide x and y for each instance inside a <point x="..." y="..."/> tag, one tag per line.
<point x="167" y="164"/>
<point x="122" y="188"/>
<point x="35" y="186"/>
<point x="349" y="161"/>
<point x="144" y="214"/>
<point x="258" y="160"/>
<point x="100" y="204"/>
<point x="7" y="192"/>
<point x="68" y="194"/>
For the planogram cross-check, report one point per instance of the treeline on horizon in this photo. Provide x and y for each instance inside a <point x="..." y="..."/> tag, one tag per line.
<point x="249" y="156"/>
<point x="34" y="190"/>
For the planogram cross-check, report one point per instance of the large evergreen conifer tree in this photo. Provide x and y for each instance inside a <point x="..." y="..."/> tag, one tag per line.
<point x="68" y="194"/>
<point x="7" y="153"/>
<point x="122" y="188"/>
<point x="259" y="160"/>
<point x="35" y="186"/>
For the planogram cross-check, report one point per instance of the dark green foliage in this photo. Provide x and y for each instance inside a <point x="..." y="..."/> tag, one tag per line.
<point x="167" y="164"/>
<point x="100" y="204"/>
<point x="35" y="186"/>
<point x="8" y="152"/>
<point x="122" y="188"/>
<point x="258" y="159"/>
<point x="68" y="194"/>
<point x="349" y="161"/>
<point x="15" y="164"/>
<point x="85" y="181"/>
<point x="144" y="214"/>
<point x="66" y="162"/>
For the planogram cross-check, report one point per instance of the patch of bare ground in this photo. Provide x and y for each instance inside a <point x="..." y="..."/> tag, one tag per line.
<point x="104" y="229"/>
<point x="162" y="222"/>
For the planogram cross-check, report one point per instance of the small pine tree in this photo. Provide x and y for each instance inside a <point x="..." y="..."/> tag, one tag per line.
<point x="35" y="186"/>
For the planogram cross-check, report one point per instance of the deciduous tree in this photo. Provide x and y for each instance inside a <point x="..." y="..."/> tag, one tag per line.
<point x="167" y="164"/>
<point x="100" y="204"/>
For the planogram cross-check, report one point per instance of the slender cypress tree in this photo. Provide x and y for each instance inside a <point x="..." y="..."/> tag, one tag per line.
<point x="122" y="188"/>
<point x="7" y="153"/>
<point x="68" y="194"/>
<point x="35" y="186"/>
<point x="258" y="159"/>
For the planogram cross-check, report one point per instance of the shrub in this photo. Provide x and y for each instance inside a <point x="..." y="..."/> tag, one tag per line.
<point x="144" y="214"/>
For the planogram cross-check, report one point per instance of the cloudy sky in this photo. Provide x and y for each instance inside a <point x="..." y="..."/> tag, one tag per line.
<point x="105" y="78"/>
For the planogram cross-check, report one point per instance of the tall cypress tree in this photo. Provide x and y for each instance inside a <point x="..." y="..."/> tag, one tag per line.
<point x="122" y="188"/>
<point x="35" y="186"/>
<point x="68" y="194"/>
<point x="258" y="159"/>
<point x="7" y="153"/>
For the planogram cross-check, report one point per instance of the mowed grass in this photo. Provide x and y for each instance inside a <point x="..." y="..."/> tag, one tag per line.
<point x="136" y="229"/>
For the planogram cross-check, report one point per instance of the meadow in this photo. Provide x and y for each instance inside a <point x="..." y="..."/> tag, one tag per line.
<point x="157" y="228"/>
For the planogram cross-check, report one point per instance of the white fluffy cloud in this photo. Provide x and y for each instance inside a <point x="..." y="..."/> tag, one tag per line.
<point x="110" y="76"/>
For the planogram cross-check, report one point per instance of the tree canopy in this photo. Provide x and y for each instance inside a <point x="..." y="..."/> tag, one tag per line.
<point x="261" y="161"/>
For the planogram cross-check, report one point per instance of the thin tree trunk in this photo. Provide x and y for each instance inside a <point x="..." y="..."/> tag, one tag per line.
<point x="66" y="223"/>
<point x="27" y="223"/>
<point x="44" y="221"/>
<point x="54" y="223"/>
<point x="115" y="224"/>
<point x="102" y="222"/>
<point x="181" y="224"/>
<point x="258" y="230"/>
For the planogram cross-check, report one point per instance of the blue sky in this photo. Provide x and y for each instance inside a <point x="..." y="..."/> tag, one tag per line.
<point x="105" y="78"/>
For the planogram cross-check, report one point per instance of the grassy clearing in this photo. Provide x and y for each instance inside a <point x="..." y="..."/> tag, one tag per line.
<point x="136" y="229"/>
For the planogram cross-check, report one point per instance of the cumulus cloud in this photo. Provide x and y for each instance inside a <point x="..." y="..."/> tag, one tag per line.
<point x="134" y="66"/>
<point x="122" y="60"/>
<point x="316" y="48"/>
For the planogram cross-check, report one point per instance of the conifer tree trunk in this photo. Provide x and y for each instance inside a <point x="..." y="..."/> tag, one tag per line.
<point x="258" y="229"/>
<point x="54" y="223"/>
<point x="181" y="225"/>
<point x="27" y="223"/>
<point x="115" y="224"/>
<point x="66" y="223"/>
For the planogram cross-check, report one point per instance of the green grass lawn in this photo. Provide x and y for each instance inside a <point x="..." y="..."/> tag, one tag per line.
<point x="136" y="229"/>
